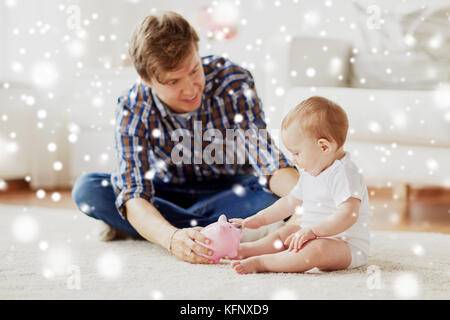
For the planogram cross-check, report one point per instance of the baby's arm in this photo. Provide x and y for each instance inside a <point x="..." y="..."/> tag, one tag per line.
<point x="345" y="216"/>
<point x="282" y="208"/>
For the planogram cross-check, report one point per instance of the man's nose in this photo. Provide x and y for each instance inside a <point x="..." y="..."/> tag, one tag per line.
<point x="189" y="88"/>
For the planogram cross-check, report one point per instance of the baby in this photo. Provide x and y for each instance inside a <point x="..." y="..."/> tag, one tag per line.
<point x="330" y="197"/>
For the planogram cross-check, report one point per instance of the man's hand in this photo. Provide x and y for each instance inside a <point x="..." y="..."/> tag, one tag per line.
<point x="299" y="238"/>
<point x="253" y="222"/>
<point x="184" y="246"/>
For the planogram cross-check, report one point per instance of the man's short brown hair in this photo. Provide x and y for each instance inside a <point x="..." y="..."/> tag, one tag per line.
<point x="161" y="43"/>
<point x="319" y="118"/>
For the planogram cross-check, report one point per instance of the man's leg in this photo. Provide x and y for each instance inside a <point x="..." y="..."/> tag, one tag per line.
<point x="94" y="196"/>
<point x="245" y="199"/>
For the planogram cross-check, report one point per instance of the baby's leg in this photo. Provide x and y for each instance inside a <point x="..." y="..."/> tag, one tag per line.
<point x="271" y="243"/>
<point x="323" y="253"/>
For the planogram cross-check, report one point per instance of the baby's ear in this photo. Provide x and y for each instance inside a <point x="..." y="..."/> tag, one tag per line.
<point x="324" y="144"/>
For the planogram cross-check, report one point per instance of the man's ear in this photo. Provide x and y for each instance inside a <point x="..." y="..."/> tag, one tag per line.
<point x="324" y="145"/>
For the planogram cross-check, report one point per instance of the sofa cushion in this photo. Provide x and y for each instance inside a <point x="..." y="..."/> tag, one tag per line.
<point x="319" y="62"/>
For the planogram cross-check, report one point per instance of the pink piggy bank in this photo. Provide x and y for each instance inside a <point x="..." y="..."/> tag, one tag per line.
<point x="225" y="239"/>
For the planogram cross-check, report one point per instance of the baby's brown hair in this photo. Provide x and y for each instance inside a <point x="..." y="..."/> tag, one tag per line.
<point x="319" y="118"/>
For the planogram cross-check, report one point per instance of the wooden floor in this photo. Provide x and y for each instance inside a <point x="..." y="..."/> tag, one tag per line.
<point x="429" y="209"/>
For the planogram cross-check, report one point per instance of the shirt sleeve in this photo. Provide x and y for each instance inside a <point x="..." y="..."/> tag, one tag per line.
<point x="254" y="138"/>
<point x="297" y="191"/>
<point x="344" y="184"/>
<point x="131" y="143"/>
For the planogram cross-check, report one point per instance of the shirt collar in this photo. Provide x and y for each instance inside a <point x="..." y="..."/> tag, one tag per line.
<point x="164" y="109"/>
<point x="159" y="104"/>
<point x="335" y="163"/>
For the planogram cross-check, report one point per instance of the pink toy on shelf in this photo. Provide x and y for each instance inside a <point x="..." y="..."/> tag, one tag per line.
<point x="225" y="239"/>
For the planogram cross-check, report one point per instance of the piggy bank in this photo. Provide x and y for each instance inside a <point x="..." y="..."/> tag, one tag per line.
<point x="225" y="239"/>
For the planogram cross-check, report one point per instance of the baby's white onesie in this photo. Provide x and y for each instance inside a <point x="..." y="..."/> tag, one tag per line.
<point x="322" y="194"/>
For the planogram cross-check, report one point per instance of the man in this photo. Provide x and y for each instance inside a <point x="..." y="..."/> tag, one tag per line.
<point x="177" y="168"/>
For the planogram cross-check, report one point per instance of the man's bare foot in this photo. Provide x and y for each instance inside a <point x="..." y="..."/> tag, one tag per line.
<point x="250" y="265"/>
<point x="108" y="233"/>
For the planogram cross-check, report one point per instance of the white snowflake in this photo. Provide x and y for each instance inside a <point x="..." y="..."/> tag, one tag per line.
<point x="279" y="91"/>
<point x="284" y="294"/>
<point x="239" y="190"/>
<point x="156" y="295"/>
<point x="44" y="74"/>
<point x="109" y="265"/>
<point x="406" y="286"/>
<point x="418" y="249"/>
<point x="57" y="166"/>
<point x="40" y="194"/>
<point x="310" y="72"/>
<point x="43" y="245"/>
<point x="56" y="261"/>
<point x="56" y="196"/>
<point x="25" y="228"/>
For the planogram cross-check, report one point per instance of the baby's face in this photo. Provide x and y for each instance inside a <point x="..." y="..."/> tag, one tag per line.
<point x="307" y="152"/>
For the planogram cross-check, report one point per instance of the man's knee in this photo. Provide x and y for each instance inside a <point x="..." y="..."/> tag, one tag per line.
<point x="83" y="191"/>
<point x="81" y="186"/>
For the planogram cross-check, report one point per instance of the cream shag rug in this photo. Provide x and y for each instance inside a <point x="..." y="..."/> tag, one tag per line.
<point x="54" y="254"/>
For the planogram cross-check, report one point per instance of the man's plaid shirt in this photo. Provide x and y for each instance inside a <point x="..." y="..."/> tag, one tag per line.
<point x="147" y="135"/>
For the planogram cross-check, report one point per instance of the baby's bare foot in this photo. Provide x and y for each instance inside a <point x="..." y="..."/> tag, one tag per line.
<point x="250" y="265"/>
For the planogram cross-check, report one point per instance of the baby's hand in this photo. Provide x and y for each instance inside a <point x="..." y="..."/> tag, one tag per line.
<point x="237" y="222"/>
<point x="250" y="222"/>
<point x="298" y="239"/>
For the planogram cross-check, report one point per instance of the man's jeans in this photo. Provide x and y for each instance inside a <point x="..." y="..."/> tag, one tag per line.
<point x="187" y="205"/>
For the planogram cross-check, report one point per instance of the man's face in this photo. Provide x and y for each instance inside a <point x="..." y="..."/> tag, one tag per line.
<point x="182" y="89"/>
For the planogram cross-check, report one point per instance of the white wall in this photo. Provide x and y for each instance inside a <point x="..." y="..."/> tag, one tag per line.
<point x="2" y="36"/>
